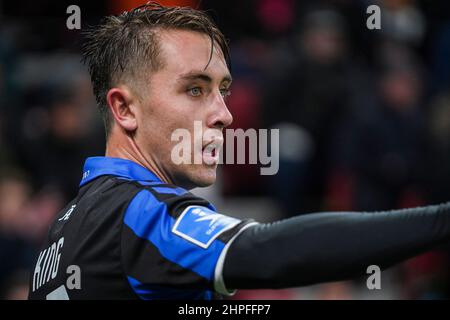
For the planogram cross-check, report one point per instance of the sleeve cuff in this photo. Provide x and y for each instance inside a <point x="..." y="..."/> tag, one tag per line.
<point x="219" y="284"/>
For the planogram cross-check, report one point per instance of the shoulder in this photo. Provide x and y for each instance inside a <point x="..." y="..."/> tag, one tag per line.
<point x="161" y="204"/>
<point x="152" y="196"/>
<point x="172" y="210"/>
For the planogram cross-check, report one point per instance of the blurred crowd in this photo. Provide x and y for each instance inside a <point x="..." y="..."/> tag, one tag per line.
<point x="364" y="116"/>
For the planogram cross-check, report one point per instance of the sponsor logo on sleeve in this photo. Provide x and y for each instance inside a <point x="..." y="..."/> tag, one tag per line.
<point x="201" y="225"/>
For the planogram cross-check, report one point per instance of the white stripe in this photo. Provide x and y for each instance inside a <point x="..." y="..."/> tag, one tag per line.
<point x="219" y="284"/>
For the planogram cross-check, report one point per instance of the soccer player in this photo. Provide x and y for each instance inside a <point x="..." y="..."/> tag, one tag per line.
<point x="135" y="231"/>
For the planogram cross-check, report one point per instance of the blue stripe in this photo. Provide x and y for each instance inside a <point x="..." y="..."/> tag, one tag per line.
<point x="167" y="190"/>
<point x="149" y="183"/>
<point x="149" y="219"/>
<point x="153" y="292"/>
<point x="143" y="182"/>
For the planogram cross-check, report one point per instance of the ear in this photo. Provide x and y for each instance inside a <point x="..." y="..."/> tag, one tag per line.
<point x="121" y="102"/>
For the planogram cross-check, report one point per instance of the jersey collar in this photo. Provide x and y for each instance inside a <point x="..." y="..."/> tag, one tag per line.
<point x="100" y="166"/>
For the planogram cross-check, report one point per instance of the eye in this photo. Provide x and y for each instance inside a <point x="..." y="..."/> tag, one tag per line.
<point x="225" y="92"/>
<point x="195" y="92"/>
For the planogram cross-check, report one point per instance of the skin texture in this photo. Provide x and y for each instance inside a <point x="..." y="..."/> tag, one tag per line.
<point x="172" y="98"/>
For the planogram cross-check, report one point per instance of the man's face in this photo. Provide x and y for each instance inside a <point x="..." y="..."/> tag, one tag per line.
<point x="182" y="92"/>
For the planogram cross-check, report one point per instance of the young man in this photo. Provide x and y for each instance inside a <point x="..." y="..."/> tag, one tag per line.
<point x="135" y="231"/>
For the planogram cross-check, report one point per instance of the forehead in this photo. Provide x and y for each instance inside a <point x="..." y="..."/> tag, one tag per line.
<point x="184" y="51"/>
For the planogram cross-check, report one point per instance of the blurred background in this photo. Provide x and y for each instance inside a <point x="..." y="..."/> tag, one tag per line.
<point x="364" y="119"/>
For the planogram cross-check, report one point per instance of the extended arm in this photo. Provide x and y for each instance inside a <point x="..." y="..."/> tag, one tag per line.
<point x="323" y="247"/>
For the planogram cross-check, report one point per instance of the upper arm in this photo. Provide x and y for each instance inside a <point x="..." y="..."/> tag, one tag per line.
<point x="175" y="253"/>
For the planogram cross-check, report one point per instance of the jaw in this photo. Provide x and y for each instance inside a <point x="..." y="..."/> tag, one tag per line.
<point x="196" y="176"/>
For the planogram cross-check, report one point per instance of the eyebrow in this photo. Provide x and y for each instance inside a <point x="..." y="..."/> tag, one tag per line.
<point x="203" y="76"/>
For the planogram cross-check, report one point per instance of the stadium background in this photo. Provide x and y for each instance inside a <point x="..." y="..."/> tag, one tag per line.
<point x="364" y="118"/>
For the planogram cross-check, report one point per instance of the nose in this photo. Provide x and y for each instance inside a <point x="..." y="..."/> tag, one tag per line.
<point x="221" y="116"/>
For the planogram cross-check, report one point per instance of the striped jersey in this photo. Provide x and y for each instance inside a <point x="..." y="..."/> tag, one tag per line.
<point x="128" y="235"/>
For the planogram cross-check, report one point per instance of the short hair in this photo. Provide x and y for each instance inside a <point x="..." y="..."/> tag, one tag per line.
<point x="122" y="46"/>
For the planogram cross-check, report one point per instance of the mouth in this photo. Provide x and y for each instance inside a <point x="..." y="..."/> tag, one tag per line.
<point x="211" y="150"/>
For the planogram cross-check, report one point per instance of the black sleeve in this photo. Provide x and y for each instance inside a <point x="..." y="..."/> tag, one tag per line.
<point x="323" y="247"/>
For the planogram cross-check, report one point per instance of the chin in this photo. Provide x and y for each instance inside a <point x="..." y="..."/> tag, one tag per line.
<point x="198" y="177"/>
<point x="205" y="178"/>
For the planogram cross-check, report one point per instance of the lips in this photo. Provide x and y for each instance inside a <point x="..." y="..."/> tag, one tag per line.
<point x="210" y="151"/>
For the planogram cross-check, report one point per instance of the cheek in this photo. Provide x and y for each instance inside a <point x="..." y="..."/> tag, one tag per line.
<point x="163" y="116"/>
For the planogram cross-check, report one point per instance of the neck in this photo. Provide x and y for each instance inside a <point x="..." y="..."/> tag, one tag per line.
<point x="124" y="146"/>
